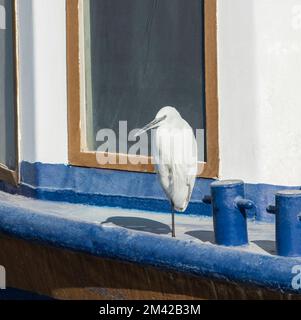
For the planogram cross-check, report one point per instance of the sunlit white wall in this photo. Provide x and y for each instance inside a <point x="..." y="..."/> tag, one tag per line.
<point x="259" y="90"/>
<point x="43" y="93"/>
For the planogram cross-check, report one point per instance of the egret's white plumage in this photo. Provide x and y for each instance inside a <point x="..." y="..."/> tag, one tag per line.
<point x="175" y="153"/>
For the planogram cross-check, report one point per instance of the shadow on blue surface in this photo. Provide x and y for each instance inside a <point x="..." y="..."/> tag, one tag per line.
<point x="140" y="224"/>
<point x="269" y="246"/>
<point x="205" y="236"/>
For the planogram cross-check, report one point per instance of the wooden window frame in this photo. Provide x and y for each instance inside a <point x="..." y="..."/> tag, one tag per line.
<point x="7" y="175"/>
<point x="79" y="157"/>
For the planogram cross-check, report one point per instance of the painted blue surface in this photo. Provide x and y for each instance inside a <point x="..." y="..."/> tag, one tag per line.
<point x="128" y="190"/>
<point x="288" y="223"/>
<point x="229" y="213"/>
<point x="147" y="249"/>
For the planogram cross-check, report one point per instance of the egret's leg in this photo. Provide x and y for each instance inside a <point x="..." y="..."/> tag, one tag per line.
<point x="173" y="222"/>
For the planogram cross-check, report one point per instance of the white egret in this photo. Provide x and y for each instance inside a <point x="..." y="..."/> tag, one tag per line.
<point x="175" y="155"/>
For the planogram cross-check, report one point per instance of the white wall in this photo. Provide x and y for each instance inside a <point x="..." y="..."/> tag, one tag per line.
<point x="43" y="96"/>
<point x="260" y="90"/>
<point x="259" y="87"/>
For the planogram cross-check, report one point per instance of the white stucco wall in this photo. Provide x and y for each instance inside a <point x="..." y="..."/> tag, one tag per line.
<point x="259" y="90"/>
<point x="43" y="95"/>
<point x="259" y="58"/>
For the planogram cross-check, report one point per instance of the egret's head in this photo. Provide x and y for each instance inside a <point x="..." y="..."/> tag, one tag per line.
<point x="166" y="114"/>
<point x="169" y="113"/>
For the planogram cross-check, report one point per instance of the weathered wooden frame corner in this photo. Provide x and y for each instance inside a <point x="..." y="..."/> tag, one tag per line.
<point x="9" y="176"/>
<point x="78" y="157"/>
<point x="12" y="176"/>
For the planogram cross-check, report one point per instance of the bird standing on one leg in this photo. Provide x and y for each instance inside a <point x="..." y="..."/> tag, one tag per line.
<point x="175" y="157"/>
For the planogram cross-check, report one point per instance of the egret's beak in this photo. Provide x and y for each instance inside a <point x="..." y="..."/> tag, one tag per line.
<point x="154" y="124"/>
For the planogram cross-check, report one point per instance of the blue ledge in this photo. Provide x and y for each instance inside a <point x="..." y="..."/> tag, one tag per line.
<point x="127" y="190"/>
<point x="190" y="257"/>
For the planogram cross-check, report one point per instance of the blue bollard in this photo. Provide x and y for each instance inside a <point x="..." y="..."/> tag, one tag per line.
<point x="288" y="222"/>
<point x="229" y="212"/>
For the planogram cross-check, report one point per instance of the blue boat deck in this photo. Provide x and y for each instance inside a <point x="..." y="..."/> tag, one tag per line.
<point x="188" y="227"/>
<point x="144" y="238"/>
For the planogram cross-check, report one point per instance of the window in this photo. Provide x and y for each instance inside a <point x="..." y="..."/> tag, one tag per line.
<point x="129" y="58"/>
<point x="8" y="94"/>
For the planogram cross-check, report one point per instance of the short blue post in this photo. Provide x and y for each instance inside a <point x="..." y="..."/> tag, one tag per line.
<point x="229" y="212"/>
<point x="288" y="223"/>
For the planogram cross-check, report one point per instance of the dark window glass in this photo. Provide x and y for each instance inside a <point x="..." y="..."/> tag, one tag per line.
<point x="141" y="55"/>
<point x="7" y="89"/>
